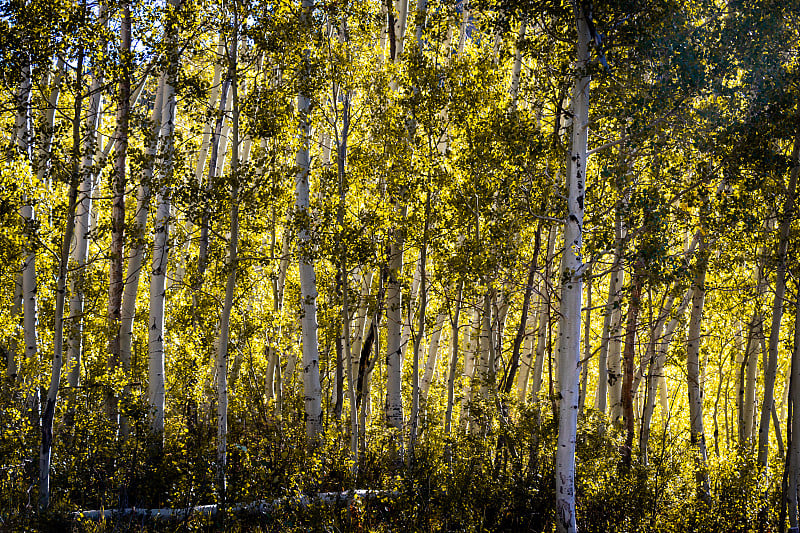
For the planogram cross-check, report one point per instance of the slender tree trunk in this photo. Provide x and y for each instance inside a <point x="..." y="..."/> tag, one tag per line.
<point x="22" y="137"/>
<point x="408" y="319"/>
<point x="394" y="310"/>
<point x="48" y="412"/>
<point x="694" y="339"/>
<point x="608" y="363"/>
<point x="230" y="285"/>
<point x="136" y="251"/>
<point x="543" y="332"/>
<point x="451" y="377"/>
<point x="569" y="330"/>
<point x="80" y="253"/>
<point x="117" y="256"/>
<point x="155" y="330"/>
<point x="217" y="153"/>
<point x="156" y="371"/>
<point x="587" y="343"/>
<point x="771" y="367"/>
<point x="523" y="321"/>
<point x="471" y="356"/>
<point x="308" y="283"/>
<point x="433" y="356"/>
<point x="629" y="358"/>
<point x="423" y="304"/>
<point x="793" y="456"/>
<point x="342" y="136"/>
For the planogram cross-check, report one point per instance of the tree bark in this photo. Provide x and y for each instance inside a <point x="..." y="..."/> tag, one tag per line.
<point x="136" y="250"/>
<point x="308" y="283"/>
<point x="433" y="356"/>
<point x="694" y="339"/>
<point x="771" y="367"/>
<point x="80" y="252"/>
<point x="118" y="182"/>
<point x="793" y="455"/>
<point x="629" y="364"/>
<point x="569" y="334"/>
<point x="451" y="377"/>
<point x="48" y="413"/>
<point x="569" y="329"/>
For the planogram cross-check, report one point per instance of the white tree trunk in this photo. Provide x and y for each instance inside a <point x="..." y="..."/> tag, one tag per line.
<point x="80" y="252"/>
<point x="569" y="329"/>
<point x="22" y="137"/>
<point x="409" y="313"/>
<point x="158" y="277"/>
<point x="609" y="367"/>
<point x="48" y="412"/>
<point x="394" y="322"/>
<point x="155" y="330"/>
<point x="136" y="250"/>
<point x="694" y="339"/>
<point x="433" y="355"/>
<point x="528" y="353"/>
<point x="451" y="378"/>
<point x="308" y="283"/>
<point x="471" y="354"/>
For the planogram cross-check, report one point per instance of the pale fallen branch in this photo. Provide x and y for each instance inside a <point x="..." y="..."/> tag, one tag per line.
<point x="258" y="507"/>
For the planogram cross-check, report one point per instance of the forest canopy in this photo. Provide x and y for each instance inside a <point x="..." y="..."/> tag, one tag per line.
<point x="436" y="265"/>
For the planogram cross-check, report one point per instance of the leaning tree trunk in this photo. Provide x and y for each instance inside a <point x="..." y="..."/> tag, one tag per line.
<point x="523" y="321"/>
<point x="543" y="330"/>
<point x="48" y="413"/>
<point x="433" y="356"/>
<point x="569" y="329"/>
<point x="771" y="369"/>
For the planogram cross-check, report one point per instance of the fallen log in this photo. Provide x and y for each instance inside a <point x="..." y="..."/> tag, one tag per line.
<point x="258" y="507"/>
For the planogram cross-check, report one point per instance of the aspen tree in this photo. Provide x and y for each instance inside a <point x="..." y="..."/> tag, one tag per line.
<point x="454" y="341"/>
<point x="793" y="455"/>
<point x="136" y="250"/>
<point x="694" y="338"/>
<point x="523" y="321"/>
<point x="771" y="368"/>
<point x="433" y="355"/>
<point x="49" y="408"/>
<point x="22" y="140"/>
<point x="118" y="184"/>
<point x="80" y="251"/>
<point x="569" y="330"/>
<point x="308" y="284"/>
<point x="232" y="265"/>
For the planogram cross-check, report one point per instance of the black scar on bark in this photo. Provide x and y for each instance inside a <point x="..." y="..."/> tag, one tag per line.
<point x="580" y="201"/>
